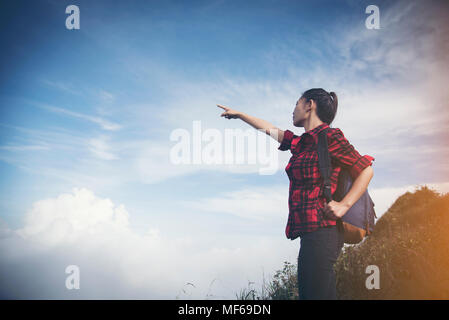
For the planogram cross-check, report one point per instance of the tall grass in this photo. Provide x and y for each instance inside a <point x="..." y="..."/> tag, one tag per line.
<point x="283" y="286"/>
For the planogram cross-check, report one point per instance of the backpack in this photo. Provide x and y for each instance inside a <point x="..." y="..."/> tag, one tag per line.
<point x="358" y="221"/>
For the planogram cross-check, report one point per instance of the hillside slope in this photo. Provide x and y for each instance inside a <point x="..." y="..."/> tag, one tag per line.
<point x="410" y="246"/>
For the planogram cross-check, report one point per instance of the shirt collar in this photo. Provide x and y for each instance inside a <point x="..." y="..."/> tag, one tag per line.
<point x="314" y="132"/>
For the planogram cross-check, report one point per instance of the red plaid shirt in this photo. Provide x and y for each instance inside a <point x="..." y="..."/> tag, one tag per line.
<point x="306" y="200"/>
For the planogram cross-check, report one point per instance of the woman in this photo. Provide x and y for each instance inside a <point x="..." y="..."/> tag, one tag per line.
<point x="310" y="217"/>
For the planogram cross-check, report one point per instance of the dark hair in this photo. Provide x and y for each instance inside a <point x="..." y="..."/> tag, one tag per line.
<point x="326" y="103"/>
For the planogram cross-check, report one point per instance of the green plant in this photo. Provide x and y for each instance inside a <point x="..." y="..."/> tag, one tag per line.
<point x="283" y="286"/>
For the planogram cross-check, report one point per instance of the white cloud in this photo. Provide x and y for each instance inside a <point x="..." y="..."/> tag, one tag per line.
<point x="116" y="262"/>
<point x="106" y="96"/>
<point x="69" y="218"/>
<point x="105" y="124"/>
<point x="64" y="87"/>
<point x="24" y="148"/>
<point x="101" y="148"/>
<point x="258" y="203"/>
<point x="4" y="230"/>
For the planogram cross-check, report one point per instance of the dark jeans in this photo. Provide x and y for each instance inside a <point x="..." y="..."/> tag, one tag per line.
<point x="317" y="255"/>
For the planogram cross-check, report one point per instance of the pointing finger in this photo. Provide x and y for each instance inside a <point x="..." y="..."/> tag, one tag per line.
<point x="223" y="107"/>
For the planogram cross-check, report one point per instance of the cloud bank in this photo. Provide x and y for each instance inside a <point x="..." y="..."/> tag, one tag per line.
<point x="116" y="262"/>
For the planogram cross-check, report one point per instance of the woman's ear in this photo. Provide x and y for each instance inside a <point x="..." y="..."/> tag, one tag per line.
<point x="308" y="105"/>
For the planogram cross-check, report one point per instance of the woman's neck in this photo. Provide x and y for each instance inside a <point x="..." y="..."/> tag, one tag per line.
<point x="311" y="124"/>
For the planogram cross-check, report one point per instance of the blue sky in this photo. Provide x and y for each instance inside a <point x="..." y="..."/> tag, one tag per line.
<point x="94" y="108"/>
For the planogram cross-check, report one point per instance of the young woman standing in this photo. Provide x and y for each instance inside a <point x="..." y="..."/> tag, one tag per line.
<point x="310" y="217"/>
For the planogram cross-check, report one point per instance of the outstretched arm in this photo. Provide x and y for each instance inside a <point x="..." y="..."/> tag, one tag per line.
<point x="257" y="123"/>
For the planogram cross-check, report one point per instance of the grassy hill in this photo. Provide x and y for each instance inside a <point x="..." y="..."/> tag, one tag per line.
<point x="409" y="245"/>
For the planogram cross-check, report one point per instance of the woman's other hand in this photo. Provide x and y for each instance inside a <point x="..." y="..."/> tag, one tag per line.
<point x="334" y="210"/>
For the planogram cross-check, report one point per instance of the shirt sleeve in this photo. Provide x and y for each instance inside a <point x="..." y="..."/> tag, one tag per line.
<point x="287" y="140"/>
<point x="346" y="155"/>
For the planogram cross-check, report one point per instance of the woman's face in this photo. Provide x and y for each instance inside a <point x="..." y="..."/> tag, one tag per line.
<point x="299" y="113"/>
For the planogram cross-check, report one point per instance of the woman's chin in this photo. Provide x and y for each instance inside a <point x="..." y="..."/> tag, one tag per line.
<point x="297" y="124"/>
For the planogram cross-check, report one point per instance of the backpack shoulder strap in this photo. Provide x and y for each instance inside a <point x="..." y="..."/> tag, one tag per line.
<point x="324" y="162"/>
